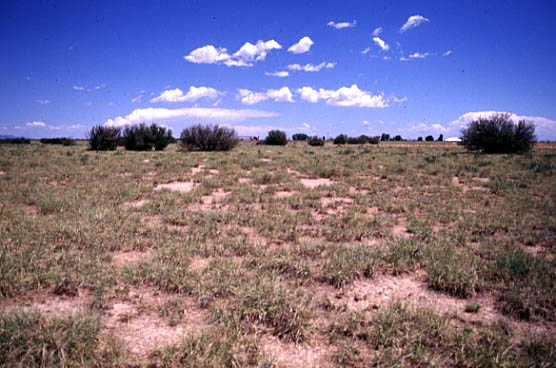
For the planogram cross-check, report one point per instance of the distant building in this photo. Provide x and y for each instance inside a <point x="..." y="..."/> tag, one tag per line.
<point x="453" y="139"/>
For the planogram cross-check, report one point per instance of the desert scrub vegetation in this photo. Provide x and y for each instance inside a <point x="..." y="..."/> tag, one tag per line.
<point x="276" y="138"/>
<point x="145" y="137"/>
<point x="499" y="134"/>
<point x="104" y="138"/>
<point x="63" y="141"/>
<point x="264" y="254"/>
<point x="208" y="138"/>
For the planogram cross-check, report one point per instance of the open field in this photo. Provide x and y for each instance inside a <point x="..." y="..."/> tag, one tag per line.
<point x="389" y="255"/>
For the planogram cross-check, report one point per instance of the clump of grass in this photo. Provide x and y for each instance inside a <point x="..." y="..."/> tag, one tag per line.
<point x="344" y="264"/>
<point x="30" y="340"/>
<point x="472" y="308"/>
<point x="263" y="301"/>
<point x="216" y="347"/>
<point x="453" y="272"/>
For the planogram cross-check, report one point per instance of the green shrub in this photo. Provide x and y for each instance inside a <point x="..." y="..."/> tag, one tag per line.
<point x="276" y="138"/>
<point x="315" y="141"/>
<point x="398" y="138"/>
<point x="300" y="137"/>
<point x="15" y="141"/>
<point x="362" y="139"/>
<point x="104" y="138"/>
<point x="499" y="134"/>
<point x="208" y="138"/>
<point x="385" y="137"/>
<point x="143" y="137"/>
<point x="440" y="138"/>
<point x="62" y="141"/>
<point x="341" y="139"/>
<point x="374" y="140"/>
<point x="420" y="139"/>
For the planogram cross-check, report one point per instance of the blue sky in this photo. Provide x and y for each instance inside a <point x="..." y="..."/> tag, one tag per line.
<point x="320" y="67"/>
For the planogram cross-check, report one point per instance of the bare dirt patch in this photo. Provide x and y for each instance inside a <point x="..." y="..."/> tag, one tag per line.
<point x="214" y="197"/>
<point x="177" y="186"/>
<point x="134" y="204"/>
<point x="314" y="183"/>
<point x="244" y="180"/>
<point x="2" y="172"/>
<point x="266" y="159"/>
<point x="283" y="194"/>
<point x="152" y="220"/>
<point x="482" y="180"/>
<point x="294" y="355"/>
<point x="333" y="200"/>
<point x="198" y="169"/>
<point x="122" y="259"/>
<point x="400" y="230"/>
<point x="372" y="295"/>
<point x="294" y="172"/>
<point x="136" y="321"/>
<point x="146" y="161"/>
<point x="456" y="182"/>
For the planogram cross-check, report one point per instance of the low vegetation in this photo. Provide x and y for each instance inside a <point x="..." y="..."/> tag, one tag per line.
<point x="144" y="137"/>
<point x="398" y="254"/>
<point x="61" y="141"/>
<point x="104" y="138"/>
<point x="208" y="138"/>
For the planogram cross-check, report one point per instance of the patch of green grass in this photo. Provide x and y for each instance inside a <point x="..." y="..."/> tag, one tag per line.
<point x="31" y="340"/>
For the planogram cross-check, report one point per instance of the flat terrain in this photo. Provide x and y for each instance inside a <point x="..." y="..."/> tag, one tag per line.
<point x="377" y="255"/>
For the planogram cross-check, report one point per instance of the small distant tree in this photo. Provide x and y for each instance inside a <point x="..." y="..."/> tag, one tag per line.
<point x="315" y="141"/>
<point x="499" y="134"/>
<point x="276" y="138"/>
<point x="208" y="138"/>
<point x="420" y="139"/>
<point x="398" y="138"/>
<point x="104" y="138"/>
<point x="341" y="139"/>
<point x="300" y="137"/>
<point x="440" y="138"/>
<point x="63" y="141"/>
<point x="429" y="138"/>
<point x="161" y="137"/>
<point x="374" y="140"/>
<point x="385" y="137"/>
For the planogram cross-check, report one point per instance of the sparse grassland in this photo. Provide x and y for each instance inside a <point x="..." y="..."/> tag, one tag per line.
<point x="397" y="254"/>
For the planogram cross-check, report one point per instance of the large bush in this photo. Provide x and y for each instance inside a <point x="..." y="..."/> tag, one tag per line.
<point x="315" y="141"/>
<point x="208" y="138"/>
<point x="341" y="139"/>
<point x="143" y="137"/>
<point x="276" y="138"/>
<point x="300" y="137"/>
<point x="499" y="134"/>
<point x="104" y="138"/>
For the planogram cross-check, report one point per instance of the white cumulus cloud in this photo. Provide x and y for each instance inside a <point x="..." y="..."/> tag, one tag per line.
<point x="35" y="124"/>
<point x="413" y="21"/>
<point x="302" y="46"/>
<point x="418" y="55"/>
<point x="448" y="53"/>
<point x="344" y="96"/>
<point x="248" y="97"/>
<point x="217" y="115"/>
<point x="377" y="31"/>
<point x="311" y="67"/>
<point x="194" y="93"/>
<point x="244" y="57"/>
<point x="380" y="43"/>
<point x="280" y="74"/>
<point x="341" y="25"/>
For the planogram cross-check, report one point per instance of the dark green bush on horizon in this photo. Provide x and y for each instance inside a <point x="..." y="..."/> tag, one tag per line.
<point x="104" y="138"/>
<point x="315" y="141"/>
<point x="276" y="138"/>
<point x="15" y="141"/>
<point x="208" y="138"/>
<point x="341" y="139"/>
<point x="62" y="141"/>
<point x="144" y="137"/>
<point x="300" y="137"/>
<point x="499" y="134"/>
